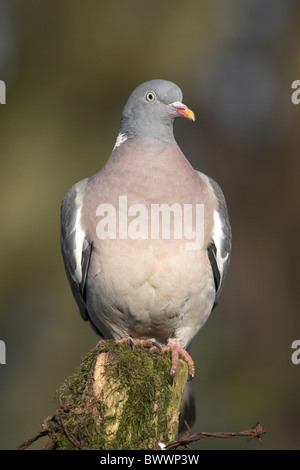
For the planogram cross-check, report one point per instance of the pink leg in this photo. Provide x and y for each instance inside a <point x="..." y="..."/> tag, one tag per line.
<point x="177" y="351"/>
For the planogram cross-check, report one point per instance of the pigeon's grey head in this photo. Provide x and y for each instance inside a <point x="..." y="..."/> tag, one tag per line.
<point x="150" y="112"/>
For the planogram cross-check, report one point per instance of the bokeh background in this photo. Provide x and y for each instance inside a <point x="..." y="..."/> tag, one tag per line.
<point x="69" y="67"/>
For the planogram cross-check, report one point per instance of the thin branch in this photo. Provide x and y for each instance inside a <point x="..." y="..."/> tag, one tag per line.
<point x="28" y="443"/>
<point x="184" y="441"/>
<point x="64" y="406"/>
<point x="49" y="430"/>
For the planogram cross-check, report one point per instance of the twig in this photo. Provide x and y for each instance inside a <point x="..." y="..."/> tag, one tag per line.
<point x="68" y="433"/>
<point x="28" y="443"/>
<point x="49" y="430"/>
<point x="184" y="441"/>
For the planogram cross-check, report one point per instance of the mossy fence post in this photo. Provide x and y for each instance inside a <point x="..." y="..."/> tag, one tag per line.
<point x="119" y="399"/>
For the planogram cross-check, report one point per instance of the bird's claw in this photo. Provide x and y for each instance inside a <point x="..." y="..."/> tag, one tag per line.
<point x="176" y="352"/>
<point x="173" y="347"/>
<point x="133" y="342"/>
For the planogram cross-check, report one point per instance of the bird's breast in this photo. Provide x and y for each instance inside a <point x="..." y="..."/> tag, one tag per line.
<point x="148" y="287"/>
<point x="150" y="225"/>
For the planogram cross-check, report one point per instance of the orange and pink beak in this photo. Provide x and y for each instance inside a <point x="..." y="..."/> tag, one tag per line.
<point x="182" y="110"/>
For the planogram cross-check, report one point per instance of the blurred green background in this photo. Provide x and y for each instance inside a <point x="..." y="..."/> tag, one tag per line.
<point x="69" y="67"/>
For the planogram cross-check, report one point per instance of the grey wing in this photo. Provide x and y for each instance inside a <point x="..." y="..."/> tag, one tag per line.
<point x="219" y="249"/>
<point x="220" y="246"/>
<point x="76" y="247"/>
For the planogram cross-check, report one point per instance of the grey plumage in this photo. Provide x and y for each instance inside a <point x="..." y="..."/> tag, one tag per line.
<point x="225" y="242"/>
<point x="140" y="118"/>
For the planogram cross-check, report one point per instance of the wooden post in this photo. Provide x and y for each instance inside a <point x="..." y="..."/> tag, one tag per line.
<point x="120" y="399"/>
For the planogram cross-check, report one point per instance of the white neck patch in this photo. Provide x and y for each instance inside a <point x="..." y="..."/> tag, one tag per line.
<point x="120" y="139"/>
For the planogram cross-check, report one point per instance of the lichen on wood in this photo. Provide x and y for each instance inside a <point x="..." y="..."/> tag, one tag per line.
<point x="120" y="399"/>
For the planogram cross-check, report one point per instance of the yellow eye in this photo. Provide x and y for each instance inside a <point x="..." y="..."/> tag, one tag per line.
<point x="150" y="96"/>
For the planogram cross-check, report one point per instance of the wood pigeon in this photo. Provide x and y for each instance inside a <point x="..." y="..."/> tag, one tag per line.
<point x="146" y="240"/>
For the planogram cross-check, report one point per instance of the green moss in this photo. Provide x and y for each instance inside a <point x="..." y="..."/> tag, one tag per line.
<point x="74" y="386"/>
<point x="74" y="390"/>
<point x="145" y="376"/>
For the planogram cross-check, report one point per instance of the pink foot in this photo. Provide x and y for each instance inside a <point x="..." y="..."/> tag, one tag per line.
<point x="133" y="342"/>
<point x="177" y="351"/>
<point x="172" y="347"/>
